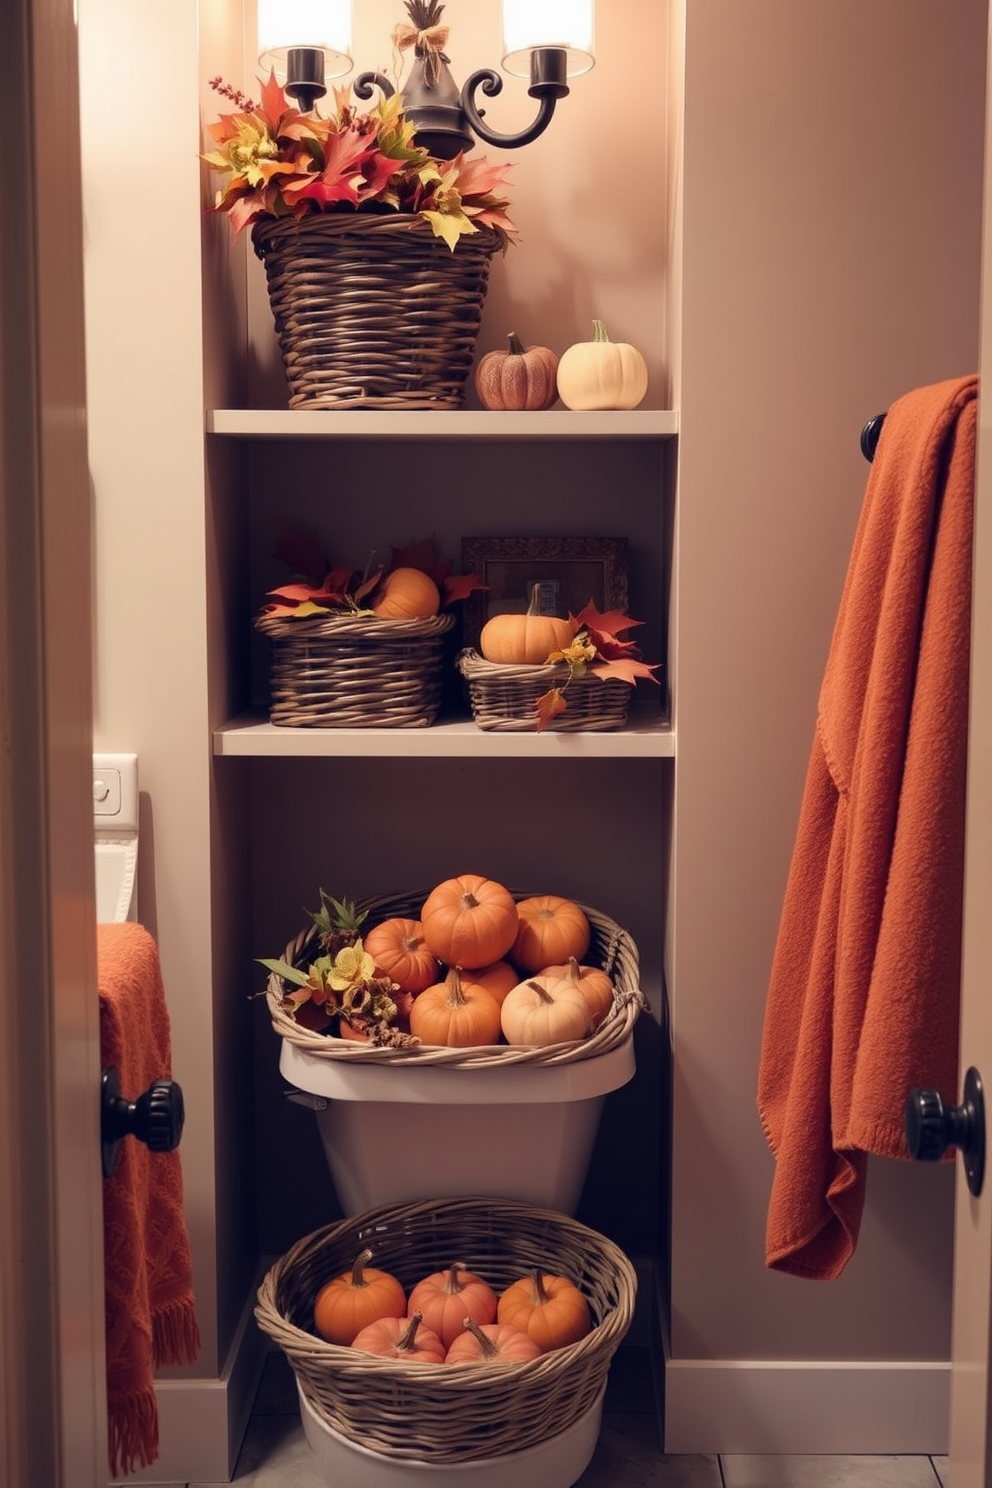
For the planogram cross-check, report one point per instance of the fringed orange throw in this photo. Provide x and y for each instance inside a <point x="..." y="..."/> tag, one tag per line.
<point x="150" y="1311"/>
<point x="863" y="1001"/>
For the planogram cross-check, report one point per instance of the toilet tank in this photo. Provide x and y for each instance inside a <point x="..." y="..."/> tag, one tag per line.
<point x="115" y="836"/>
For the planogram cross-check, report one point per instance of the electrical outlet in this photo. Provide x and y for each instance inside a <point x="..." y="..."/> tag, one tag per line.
<point x="115" y="792"/>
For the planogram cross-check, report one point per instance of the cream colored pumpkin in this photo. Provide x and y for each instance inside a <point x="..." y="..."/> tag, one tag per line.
<point x="602" y="373"/>
<point x="544" y="1010"/>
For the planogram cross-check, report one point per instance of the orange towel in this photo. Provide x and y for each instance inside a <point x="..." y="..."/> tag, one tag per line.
<point x="150" y="1311"/>
<point x="863" y="999"/>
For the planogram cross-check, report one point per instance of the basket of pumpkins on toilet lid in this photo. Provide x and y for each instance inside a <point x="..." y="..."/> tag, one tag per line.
<point x="467" y="974"/>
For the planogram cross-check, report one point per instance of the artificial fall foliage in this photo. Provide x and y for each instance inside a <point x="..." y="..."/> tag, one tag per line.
<point x="278" y="162"/>
<point x="596" y="648"/>
<point x="322" y="589"/>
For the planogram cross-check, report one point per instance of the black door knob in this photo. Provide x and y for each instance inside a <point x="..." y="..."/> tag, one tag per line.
<point x="932" y="1127"/>
<point x="155" y="1118"/>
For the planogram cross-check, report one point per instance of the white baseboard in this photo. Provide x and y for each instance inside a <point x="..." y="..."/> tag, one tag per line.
<point x="202" y="1422"/>
<point x="807" y="1408"/>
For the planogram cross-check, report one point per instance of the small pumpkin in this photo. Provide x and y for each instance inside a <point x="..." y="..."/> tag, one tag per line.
<point x="406" y="594"/>
<point x="595" y="986"/>
<point x="398" y="948"/>
<point x="602" y="373"/>
<point x="544" y="1011"/>
<point x="446" y="1298"/>
<point x="498" y="979"/>
<point x="550" y="929"/>
<point x="519" y="378"/>
<point x="492" y="1343"/>
<point x="549" y="1309"/>
<point x="527" y="639"/>
<point x="401" y="1338"/>
<point x="351" y="1301"/>
<point x="469" y="921"/>
<point x="455" y="1015"/>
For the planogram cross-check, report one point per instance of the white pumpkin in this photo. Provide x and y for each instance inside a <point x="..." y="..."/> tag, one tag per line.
<point x="602" y="373"/>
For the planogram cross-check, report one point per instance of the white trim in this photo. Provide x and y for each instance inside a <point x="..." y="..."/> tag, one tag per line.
<point x="807" y="1407"/>
<point x="202" y="1422"/>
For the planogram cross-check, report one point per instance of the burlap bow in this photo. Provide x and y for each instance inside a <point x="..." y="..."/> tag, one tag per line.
<point x="429" y="43"/>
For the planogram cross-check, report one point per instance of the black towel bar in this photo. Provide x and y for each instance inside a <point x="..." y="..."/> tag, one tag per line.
<point x="869" y="436"/>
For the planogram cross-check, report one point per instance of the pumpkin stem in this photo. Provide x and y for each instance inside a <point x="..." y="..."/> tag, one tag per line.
<point x="453" y="982"/>
<point x="358" y="1269"/>
<point x="469" y="901"/>
<point x="574" y="975"/>
<point x="489" y="1349"/>
<point x="407" y="1337"/>
<point x="453" y="1286"/>
<point x="541" y="1295"/>
<point x="517" y="347"/>
<point x="542" y="993"/>
<point x="599" y="331"/>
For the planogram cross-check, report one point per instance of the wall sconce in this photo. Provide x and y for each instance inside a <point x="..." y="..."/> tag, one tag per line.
<point x="548" y="41"/>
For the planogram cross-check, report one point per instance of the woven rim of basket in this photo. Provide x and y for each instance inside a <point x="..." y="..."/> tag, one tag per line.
<point x="358" y="625"/>
<point x="617" y="955"/>
<point x="476" y="668"/>
<point x="270" y="233"/>
<point x="378" y="1400"/>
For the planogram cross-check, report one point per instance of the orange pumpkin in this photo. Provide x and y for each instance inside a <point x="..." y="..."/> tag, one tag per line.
<point x="498" y="979"/>
<point x="549" y="930"/>
<point x="407" y="594"/>
<point x="401" y="1338"/>
<point x="398" y="948"/>
<point x="491" y="1343"/>
<point x="356" y="1298"/>
<point x="549" y="1309"/>
<point x="518" y="378"/>
<point x="528" y="639"/>
<point x="446" y="1298"/>
<point x="469" y="921"/>
<point x="544" y="1011"/>
<point x="595" y="986"/>
<point x="454" y="1015"/>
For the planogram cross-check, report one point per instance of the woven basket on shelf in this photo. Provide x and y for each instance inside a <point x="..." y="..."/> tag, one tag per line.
<point x="611" y="948"/>
<point x="355" y="670"/>
<point x="450" y="1413"/>
<point x="374" y="311"/>
<point x="504" y="697"/>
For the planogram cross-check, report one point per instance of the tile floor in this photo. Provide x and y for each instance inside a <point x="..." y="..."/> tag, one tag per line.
<point x="628" y="1455"/>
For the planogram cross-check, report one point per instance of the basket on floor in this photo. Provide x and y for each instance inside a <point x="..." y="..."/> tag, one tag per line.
<point x="355" y="670"/>
<point x="450" y="1413"/>
<point x="374" y="311"/>
<point x="504" y="697"/>
<point x="611" y="949"/>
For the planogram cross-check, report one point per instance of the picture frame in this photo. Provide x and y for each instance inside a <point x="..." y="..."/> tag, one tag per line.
<point x="570" y="571"/>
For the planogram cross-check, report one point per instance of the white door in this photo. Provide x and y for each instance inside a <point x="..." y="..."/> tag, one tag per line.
<point x="971" y="1466"/>
<point x="53" y="1427"/>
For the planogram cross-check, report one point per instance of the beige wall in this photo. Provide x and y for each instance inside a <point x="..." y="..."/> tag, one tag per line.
<point x="832" y="196"/>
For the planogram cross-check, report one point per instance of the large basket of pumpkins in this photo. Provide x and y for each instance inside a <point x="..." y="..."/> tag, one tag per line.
<point x="469" y="975"/>
<point x="450" y="1330"/>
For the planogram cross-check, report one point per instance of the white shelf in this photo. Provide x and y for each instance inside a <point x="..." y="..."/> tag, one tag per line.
<point x="648" y="736"/>
<point x="554" y="423"/>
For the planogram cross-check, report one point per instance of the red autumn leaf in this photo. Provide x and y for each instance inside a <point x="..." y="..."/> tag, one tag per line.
<point x="423" y="555"/>
<point x="300" y="551"/>
<point x="609" y="648"/>
<point x="549" y="705"/>
<point x="459" y="586"/>
<point x="613" y="623"/>
<point x="298" y="592"/>
<point x="368" y="584"/>
<point x="625" y="670"/>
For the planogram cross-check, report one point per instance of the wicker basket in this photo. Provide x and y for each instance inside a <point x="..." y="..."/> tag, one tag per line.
<point x="440" y="1413"/>
<point x="611" y="948"/>
<point x="504" y="698"/>
<point x="355" y="670"/>
<point x="374" y="311"/>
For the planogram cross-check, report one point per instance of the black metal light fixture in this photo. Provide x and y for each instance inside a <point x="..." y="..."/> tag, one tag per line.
<point x="547" y="41"/>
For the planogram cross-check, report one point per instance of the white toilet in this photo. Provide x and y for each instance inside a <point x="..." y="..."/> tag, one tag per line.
<point x="115" y="836"/>
<point x="396" y="1133"/>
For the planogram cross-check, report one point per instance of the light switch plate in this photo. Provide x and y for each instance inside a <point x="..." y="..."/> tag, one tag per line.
<point x="115" y="792"/>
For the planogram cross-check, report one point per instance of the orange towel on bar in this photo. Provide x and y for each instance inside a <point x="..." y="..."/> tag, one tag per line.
<point x="150" y="1311"/>
<point x="863" y="1001"/>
